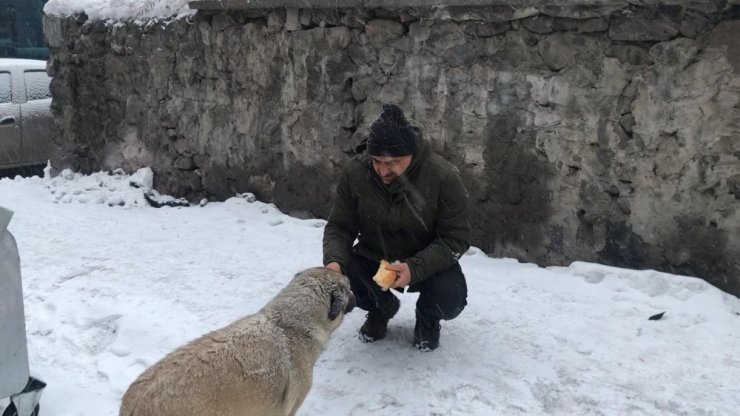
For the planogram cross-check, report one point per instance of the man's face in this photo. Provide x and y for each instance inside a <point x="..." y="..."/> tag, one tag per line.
<point x="389" y="167"/>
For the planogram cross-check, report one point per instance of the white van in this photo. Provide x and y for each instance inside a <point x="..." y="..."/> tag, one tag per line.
<point x="25" y="113"/>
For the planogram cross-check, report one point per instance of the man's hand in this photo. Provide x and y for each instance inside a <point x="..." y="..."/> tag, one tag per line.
<point x="403" y="272"/>
<point x="334" y="266"/>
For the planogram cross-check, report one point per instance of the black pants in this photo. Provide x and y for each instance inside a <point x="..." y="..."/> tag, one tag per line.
<point x="442" y="296"/>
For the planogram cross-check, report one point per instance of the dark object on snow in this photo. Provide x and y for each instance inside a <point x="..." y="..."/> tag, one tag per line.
<point x="249" y="197"/>
<point x="656" y="317"/>
<point x="391" y="134"/>
<point x="158" y="201"/>
<point x="137" y="182"/>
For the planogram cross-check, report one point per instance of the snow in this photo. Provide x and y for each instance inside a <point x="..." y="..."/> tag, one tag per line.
<point x="27" y="63"/>
<point x="111" y="285"/>
<point x="118" y="9"/>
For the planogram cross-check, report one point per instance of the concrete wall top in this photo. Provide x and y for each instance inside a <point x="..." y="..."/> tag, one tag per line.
<point x="396" y="4"/>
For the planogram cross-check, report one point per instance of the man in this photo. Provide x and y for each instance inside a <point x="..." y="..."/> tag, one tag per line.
<point x="409" y="206"/>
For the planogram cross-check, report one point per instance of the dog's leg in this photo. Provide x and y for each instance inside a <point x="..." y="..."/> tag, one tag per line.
<point x="299" y="400"/>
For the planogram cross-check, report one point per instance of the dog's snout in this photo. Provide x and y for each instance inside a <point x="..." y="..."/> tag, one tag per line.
<point x="351" y="303"/>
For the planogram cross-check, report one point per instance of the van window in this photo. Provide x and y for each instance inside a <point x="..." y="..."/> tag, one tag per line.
<point x="5" y="95"/>
<point x="37" y="85"/>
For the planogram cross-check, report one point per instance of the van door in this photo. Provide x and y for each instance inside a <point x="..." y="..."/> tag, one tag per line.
<point x="10" y="123"/>
<point x="36" y="128"/>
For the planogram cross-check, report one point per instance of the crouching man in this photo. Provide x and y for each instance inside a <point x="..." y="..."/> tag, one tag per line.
<point x="407" y="205"/>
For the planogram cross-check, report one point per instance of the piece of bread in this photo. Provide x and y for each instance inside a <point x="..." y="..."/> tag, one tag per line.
<point x="385" y="278"/>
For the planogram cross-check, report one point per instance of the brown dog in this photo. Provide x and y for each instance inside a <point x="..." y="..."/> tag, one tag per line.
<point x="259" y="365"/>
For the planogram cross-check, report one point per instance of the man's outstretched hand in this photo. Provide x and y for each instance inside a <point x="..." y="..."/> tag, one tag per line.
<point x="334" y="266"/>
<point x="403" y="272"/>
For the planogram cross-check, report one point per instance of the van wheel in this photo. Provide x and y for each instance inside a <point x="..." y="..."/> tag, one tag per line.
<point x="12" y="411"/>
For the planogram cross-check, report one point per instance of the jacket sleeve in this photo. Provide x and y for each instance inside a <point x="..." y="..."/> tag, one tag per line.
<point x="452" y="227"/>
<point x="342" y="226"/>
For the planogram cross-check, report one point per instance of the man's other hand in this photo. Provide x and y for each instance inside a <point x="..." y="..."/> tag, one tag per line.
<point x="334" y="266"/>
<point x="403" y="272"/>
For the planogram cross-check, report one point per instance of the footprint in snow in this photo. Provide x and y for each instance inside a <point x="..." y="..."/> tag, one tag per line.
<point x="97" y="334"/>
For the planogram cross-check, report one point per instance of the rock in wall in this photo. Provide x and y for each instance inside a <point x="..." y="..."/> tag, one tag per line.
<point x="603" y="132"/>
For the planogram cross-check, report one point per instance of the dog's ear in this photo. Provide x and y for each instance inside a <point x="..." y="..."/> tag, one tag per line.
<point x="338" y="301"/>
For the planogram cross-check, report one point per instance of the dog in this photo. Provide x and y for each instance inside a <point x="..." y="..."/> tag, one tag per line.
<point x="260" y="365"/>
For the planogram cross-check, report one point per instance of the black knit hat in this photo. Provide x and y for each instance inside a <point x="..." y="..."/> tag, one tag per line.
<point x="391" y="134"/>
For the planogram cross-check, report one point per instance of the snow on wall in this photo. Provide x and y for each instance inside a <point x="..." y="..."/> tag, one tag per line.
<point x="118" y="9"/>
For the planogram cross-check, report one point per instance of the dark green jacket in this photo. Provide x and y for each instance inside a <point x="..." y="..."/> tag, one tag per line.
<point x="421" y="218"/>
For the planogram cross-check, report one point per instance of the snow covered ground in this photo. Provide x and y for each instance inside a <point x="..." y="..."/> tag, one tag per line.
<point x="111" y="285"/>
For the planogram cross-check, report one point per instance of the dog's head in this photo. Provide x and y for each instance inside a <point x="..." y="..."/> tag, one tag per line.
<point x="342" y="300"/>
<point x="333" y="290"/>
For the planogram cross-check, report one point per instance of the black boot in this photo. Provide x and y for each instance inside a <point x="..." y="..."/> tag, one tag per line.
<point x="376" y="324"/>
<point x="426" y="334"/>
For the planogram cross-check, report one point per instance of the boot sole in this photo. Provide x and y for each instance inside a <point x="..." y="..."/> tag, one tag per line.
<point x="367" y="338"/>
<point x="424" y="347"/>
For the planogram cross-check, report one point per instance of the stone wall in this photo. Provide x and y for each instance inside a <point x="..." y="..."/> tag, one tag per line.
<point x="595" y="131"/>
